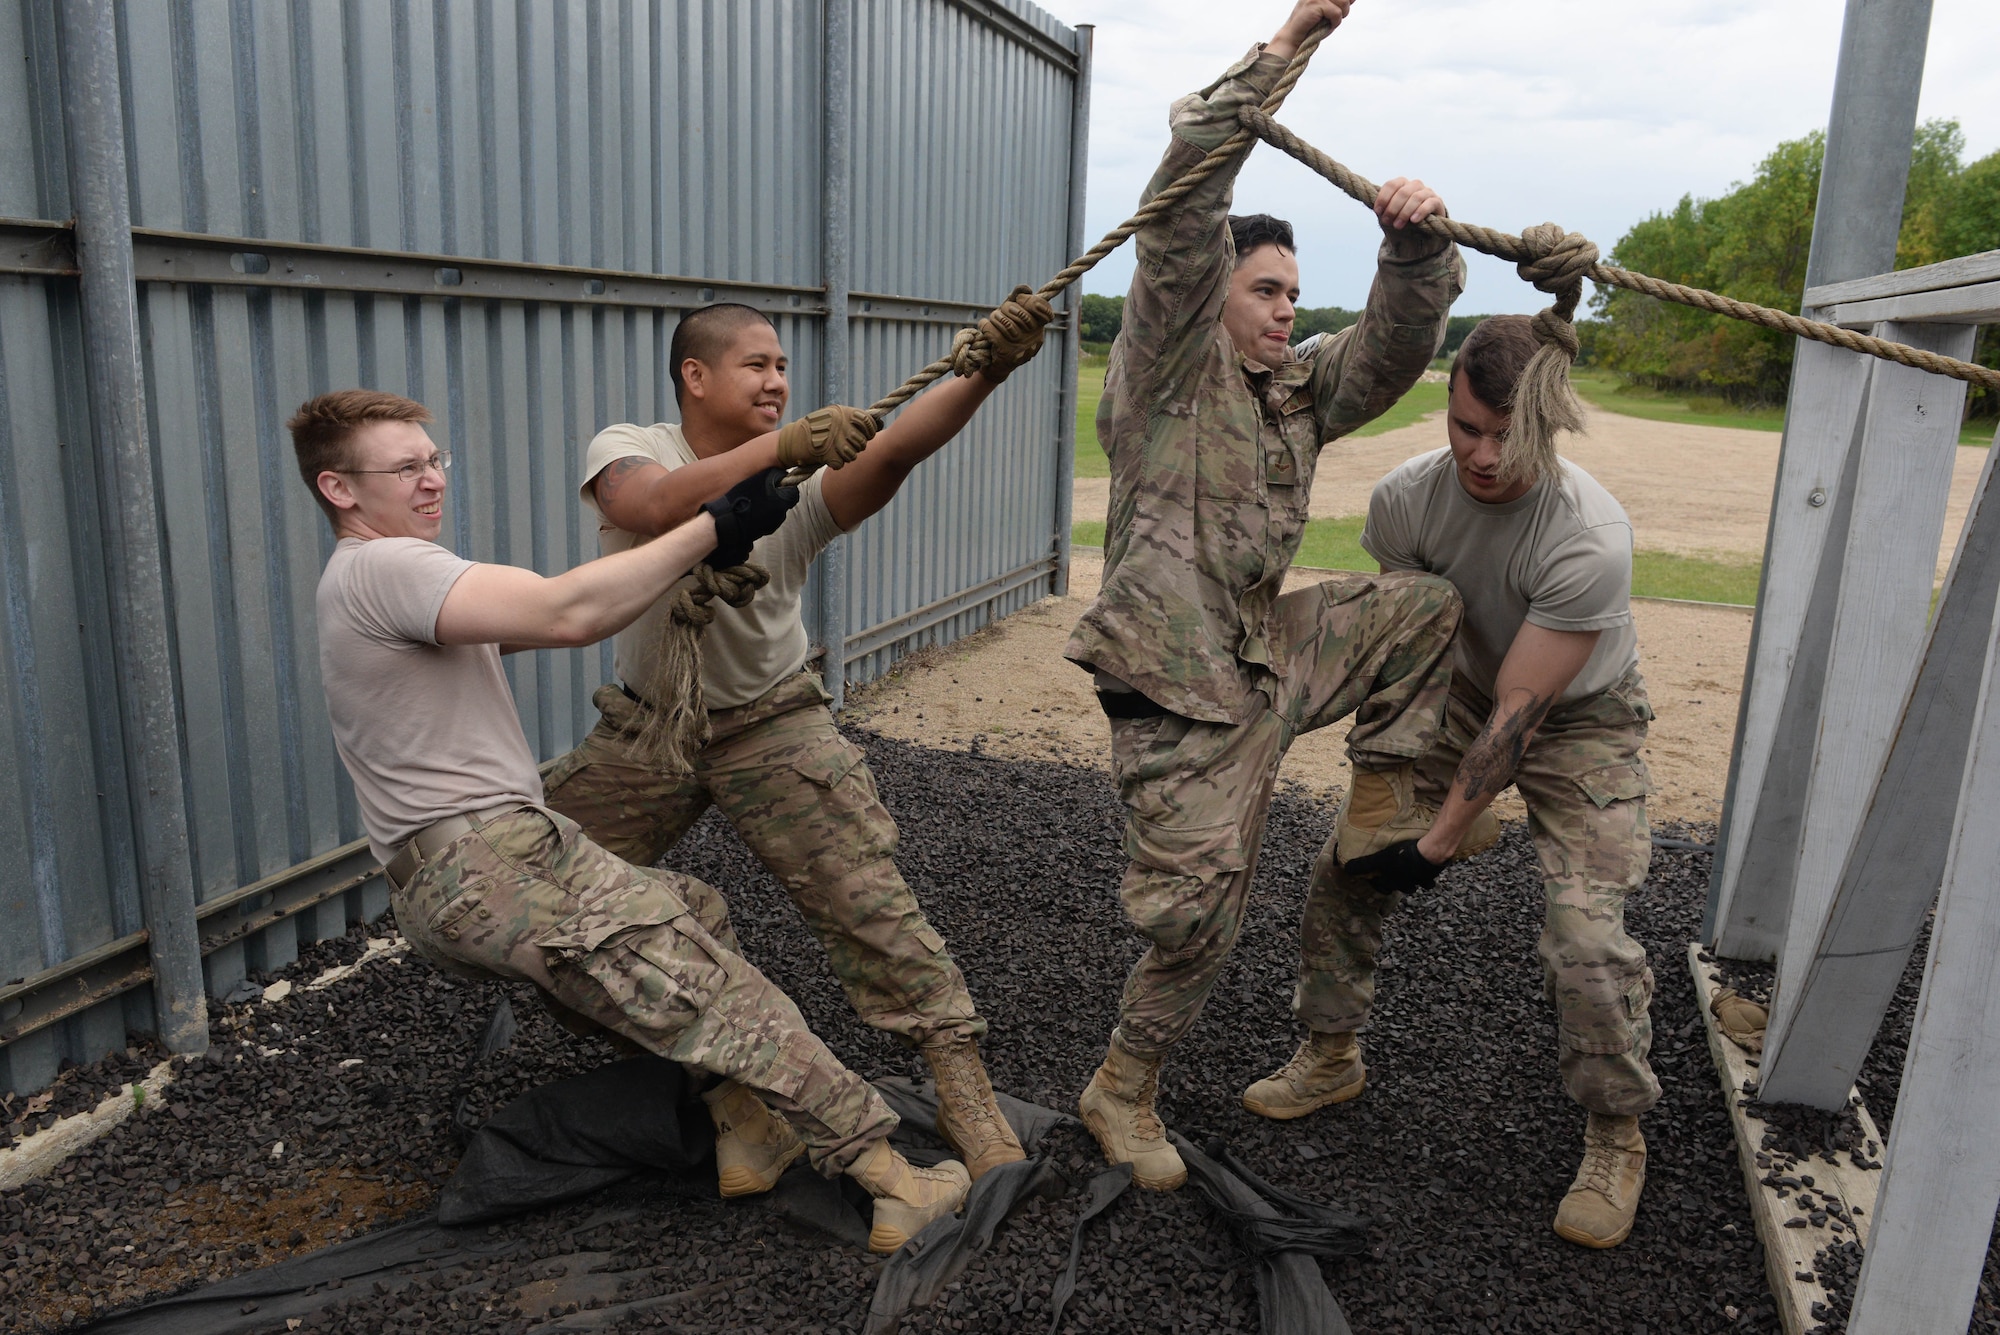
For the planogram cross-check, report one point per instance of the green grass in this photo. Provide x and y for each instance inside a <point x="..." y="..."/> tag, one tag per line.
<point x="1090" y="460"/>
<point x="1335" y="544"/>
<point x="1602" y="389"/>
<point x="1702" y="580"/>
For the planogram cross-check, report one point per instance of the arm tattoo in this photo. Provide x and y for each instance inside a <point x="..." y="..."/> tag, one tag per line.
<point x="1491" y="760"/>
<point x="615" y="475"/>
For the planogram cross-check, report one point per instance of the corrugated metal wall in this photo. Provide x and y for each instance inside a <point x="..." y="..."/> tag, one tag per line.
<point x="634" y="138"/>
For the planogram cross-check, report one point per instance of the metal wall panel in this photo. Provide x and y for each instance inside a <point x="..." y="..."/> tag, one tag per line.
<point x="679" y="137"/>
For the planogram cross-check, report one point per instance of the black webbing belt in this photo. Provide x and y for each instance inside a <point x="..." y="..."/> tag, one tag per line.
<point x="1129" y="704"/>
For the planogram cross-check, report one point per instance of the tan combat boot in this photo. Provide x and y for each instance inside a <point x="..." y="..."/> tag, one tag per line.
<point x="753" y="1145"/>
<point x="1117" y="1106"/>
<point x="1326" y="1069"/>
<point x="969" y="1118"/>
<point x="906" y="1197"/>
<point x="1381" y="809"/>
<point x="1599" y="1209"/>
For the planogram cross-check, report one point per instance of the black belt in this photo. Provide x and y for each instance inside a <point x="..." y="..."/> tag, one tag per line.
<point x="1129" y="704"/>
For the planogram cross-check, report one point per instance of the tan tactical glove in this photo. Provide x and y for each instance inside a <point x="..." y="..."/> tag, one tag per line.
<point x="1010" y="336"/>
<point x="827" y="437"/>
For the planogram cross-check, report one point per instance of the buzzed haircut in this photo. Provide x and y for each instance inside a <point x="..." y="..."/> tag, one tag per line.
<point x="1492" y="358"/>
<point x="706" y="334"/>
<point x="322" y="428"/>
<point x="1260" y="229"/>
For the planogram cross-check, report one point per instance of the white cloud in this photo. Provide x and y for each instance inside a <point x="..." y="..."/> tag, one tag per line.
<point x="1582" y="112"/>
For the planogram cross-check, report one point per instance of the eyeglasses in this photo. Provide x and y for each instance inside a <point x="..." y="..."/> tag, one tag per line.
<point x="411" y="471"/>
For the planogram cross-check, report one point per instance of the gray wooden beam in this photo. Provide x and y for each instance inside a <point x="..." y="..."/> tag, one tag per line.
<point x="1961" y="272"/>
<point x="1775" y="723"/>
<point x="1909" y="432"/>
<point x="1978" y="303"/>
<point x="1824" y="1025"/>
<point x="1941" y="1182"/>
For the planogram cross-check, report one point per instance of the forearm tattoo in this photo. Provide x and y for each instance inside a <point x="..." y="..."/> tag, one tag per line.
<point x="1492" y="759"/>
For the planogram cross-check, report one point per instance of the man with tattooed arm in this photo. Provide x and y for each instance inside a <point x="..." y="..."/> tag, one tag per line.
<point x="1546" y="696"/>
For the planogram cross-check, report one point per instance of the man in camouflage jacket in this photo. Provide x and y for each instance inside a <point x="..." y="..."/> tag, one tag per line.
<point x="1207" y="672"/>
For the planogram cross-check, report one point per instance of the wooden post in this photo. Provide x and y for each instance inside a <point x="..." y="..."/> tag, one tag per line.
<point x="1941" y="1181"/>
<point x="1779" y="715"/>
<point x="1821" y="1032"/>
<point x="1852" y="643"/>
<point x="1908" y="440"/>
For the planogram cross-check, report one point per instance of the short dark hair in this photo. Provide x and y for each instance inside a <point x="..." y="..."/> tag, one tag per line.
<point x="706" y="334"/>
<point x="1493" y="357"/>
<point x="1260" y="229"/>
<point x="322" y="428"/>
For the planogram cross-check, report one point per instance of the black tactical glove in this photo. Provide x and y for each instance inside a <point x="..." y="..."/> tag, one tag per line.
<point x="746" y="512"/>
<point x="1397" y="869"/>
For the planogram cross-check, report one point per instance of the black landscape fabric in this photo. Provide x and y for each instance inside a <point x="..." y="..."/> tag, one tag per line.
<point x="328" y="1116"/>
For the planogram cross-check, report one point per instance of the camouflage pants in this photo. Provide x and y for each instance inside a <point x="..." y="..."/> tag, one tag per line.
<point x="1196" y="794"/>
<point x="646" y="954"/>
<point x="1585" y="787"/>
<point x="801" y="797"/>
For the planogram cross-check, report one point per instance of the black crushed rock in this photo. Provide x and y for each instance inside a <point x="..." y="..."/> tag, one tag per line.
<point x="1459" y="1151"/>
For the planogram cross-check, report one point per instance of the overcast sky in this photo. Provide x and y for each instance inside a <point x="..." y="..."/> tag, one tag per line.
<point x="1583" y="112"/>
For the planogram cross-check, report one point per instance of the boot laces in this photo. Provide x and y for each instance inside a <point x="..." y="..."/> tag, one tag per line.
<point x="1144" y="1120"/>
<point x="1601" y="1165"/>
<point x="963" y="1085"/>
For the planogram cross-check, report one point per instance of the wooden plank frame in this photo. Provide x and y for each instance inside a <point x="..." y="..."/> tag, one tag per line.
<point x="1941" y="1179"/>
<point x="1821" y="1030"/>
<point x="1775" y="722"/>
<point x="1907" y="447"/>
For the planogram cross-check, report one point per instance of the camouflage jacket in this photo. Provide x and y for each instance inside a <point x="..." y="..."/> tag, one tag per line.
<point x="1212" y="455"/>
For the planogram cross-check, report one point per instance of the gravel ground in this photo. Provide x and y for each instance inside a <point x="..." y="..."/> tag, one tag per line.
<point x="330" y="1112"/>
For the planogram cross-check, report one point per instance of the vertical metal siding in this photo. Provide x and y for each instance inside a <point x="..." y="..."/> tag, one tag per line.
<point x="654" y="136"/>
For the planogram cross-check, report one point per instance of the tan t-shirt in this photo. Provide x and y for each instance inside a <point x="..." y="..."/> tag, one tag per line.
<point x="1559" y="557"/>
<point x="746" y="650"/>
<point x="426" y="730"/>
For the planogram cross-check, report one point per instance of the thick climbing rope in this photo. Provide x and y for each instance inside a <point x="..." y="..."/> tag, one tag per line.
<point x="1554" y="260"/>
<point x="678" y="727"/>
<point x="1556" y="256"/>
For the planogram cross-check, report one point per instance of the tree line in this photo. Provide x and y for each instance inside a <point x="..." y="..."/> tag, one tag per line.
<point x="1751" y="244"/>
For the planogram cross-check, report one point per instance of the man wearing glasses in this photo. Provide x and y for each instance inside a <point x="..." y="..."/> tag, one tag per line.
<point x="486" y="881"/>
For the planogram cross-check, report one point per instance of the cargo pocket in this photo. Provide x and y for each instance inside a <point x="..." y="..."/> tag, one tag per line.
<point x="831" y="761"/>
<point x="1170" y="892"/>
<point x="1186" y="850"/>
<point x="646" y="951"/>
<point x="1615" y="783"/>
<point x="1610" y="1027"/>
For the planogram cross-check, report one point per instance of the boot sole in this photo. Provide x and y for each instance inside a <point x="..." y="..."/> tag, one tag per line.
<point x="738" y="1180"/>
<point x="905" y="1222"/>
<point x="1582" y="1239"/>
<point x="1287" y="1113"/>
<point x="1172" y="1182"/>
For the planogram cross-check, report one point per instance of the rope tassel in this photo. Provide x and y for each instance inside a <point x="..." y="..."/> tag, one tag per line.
<point x="676" y="726"/>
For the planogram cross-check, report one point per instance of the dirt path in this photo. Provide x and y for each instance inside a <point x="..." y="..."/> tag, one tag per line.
<point x="1691" y="490"/>
<point x="1007" y="691"/>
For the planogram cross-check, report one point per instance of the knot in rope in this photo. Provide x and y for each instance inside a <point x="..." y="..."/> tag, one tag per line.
<point x="1558" y="261"/>
<point x="694" y="601"/>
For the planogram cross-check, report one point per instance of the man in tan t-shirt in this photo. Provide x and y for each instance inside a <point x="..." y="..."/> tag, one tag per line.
<point x="798" y="792"/>
<point x="1545" y="695"/>
<point x="485" y="880"/>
